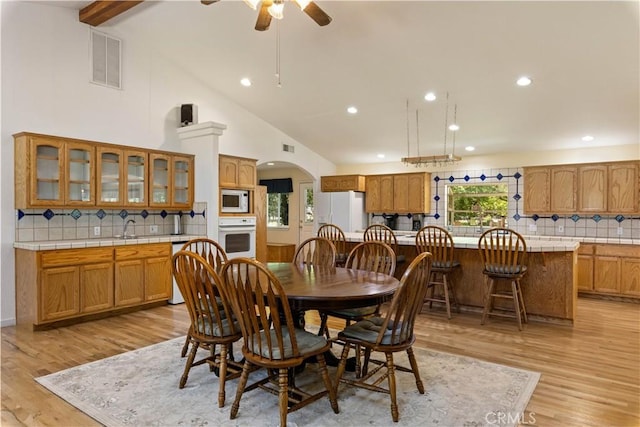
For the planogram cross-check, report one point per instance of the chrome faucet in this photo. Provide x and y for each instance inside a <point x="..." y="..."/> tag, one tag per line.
<point x="124" y="229"/>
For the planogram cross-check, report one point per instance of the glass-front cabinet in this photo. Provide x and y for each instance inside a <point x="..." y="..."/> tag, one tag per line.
<point x="182" y="192"/>
<point x="135" y="178"/>
<point x="80" y="174"/>
<point x="47" y="183"/>
<point x="109" y="172"/>
<point x="160" y="173"/>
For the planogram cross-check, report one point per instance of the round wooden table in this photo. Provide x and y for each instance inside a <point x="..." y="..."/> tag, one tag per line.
<point x="335" y="289"/>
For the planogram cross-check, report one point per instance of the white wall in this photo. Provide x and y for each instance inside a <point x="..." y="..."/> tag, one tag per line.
<point x="46" y="89"/>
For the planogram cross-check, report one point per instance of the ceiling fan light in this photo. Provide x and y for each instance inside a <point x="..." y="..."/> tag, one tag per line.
<point x="276" y="10"/>
<point x="253" y="4"/>
<point x="303" y="3"/>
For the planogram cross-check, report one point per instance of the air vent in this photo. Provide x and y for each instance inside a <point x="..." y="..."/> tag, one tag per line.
<point x="105" y="60"/>
<point x="288" y="148"/>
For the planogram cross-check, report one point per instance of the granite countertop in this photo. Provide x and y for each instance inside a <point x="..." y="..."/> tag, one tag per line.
<point x="44" y="245"/>
<point x="534" y="243"/>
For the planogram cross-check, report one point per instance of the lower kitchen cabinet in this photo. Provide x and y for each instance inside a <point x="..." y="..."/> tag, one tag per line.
<point x="76" y="284"/>
<point x="607" y="269"/>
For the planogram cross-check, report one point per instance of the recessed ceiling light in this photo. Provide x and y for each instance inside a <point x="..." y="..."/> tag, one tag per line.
<point x="587" y="138"/>
<point x="380" y="156"/>
<point x="469" y="148"/>
<point x="352" y="110"/>
<point x="454" y="127"/>
<point x="524" y="81"/>
<point x="270" y="164"/>
<point x="430" y="96"/>
<point x="245" y="82"/>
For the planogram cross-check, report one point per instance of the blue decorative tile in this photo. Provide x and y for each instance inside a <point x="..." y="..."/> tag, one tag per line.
<point x="436" y="198"/>
<point x="436" y="216"/>
<point x="517" y="197"/>
<point x="123" y="214"/>
<point x="517" y="217"/>
<point x="144" y="214"/>
<point x="101" y="214"/>
<point x="48" y="214"/>
<point x="499" y="176"/>
<point x="20" y="214"/>
<point x="451" y="178"/>
<point x="483" y="177"/>
<point x="192" y="213"/>
<point x="75" y="214"/>
<point x="203" y="213"/>
<point x="575" y="218"/>
<point x="467" y="178"/>
<point x="163" y="214"/>
<point x="535" y="217"/>
<point x="619" y="218"/>
<point x="555" y="217"/>
<point x="437" y="178"/>
<point x="596" y="218"/>
<point x="517" y="175"/>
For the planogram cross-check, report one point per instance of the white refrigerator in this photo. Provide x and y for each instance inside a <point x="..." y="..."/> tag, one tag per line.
<point x="345" y="209"/>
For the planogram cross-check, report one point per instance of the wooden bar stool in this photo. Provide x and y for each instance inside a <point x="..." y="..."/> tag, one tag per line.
<point x="503" y="253"/>
<point x="439" y="242"/>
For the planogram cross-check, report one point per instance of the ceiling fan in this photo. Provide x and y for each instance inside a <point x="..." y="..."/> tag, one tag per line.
<point x="274" y="9"/>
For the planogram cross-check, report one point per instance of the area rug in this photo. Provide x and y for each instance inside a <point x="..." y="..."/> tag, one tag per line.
<point x="140" y="388"/>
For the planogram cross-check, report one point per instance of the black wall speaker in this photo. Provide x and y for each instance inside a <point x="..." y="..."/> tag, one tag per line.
<point x="188" y="114"/>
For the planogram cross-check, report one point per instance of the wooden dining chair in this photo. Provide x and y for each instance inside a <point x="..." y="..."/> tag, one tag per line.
<point x="210" y="311"/>
<point x="316" y="252"/>
<point x="215" y="256"/>
<point x="336" y="236"/>
<point x="270" y="338"/>
<point x="503" y="253"/>
<point x="388" y="333"/>
<point x="439" y="243"/>
<point x="382" y="233"/>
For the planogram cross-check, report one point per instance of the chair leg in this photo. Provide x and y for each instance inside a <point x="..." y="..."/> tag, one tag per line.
<point x="241" y="386"/>
<point x="283" y="395"/>
<point x="414" y="368"/>
<point x="524" y="310"/>
<point x="358" y="364"/>
<point x="324" y="330"/>
<point x="341" y="366"/>
<point x="187" y="366"/>
<point x="223" y="375"/>
<point x="392" y="387"/>
<point x="324" y="372"/>
<point x="445" y="288"/>
<point x="516" y="303"/>
<point x="185" y="347"/>
<point x="488" y="300"/>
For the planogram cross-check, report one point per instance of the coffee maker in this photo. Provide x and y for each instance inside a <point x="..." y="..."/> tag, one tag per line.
<point x="391" y="221"/>
<point x="416" y="222"/>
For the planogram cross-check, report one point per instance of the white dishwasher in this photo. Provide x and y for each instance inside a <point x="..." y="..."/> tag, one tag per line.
<point x="176" y="296"/>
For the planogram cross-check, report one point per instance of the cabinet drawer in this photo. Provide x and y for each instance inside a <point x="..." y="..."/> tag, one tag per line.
<point x="618" y="250"/>
<point x="75" y="256"/>
<point x="143" y="251"/>
<point x="586" y="249"/>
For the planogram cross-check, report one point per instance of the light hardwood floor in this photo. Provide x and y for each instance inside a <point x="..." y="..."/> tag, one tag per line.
<point x="590" y="372"/>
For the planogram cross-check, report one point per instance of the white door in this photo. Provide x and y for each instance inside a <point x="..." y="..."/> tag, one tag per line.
<point x="307" y="212"/>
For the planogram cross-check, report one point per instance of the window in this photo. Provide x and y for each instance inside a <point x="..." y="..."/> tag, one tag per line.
<point x="277" y="209"/>
<point x="477" y="205"/>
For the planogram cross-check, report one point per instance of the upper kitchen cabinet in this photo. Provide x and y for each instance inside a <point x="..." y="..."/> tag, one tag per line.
<point x="135" y="178"/>
<point x="537" y="185"/>
<point x="121" y="176"/>
<point x="159" y="179"/>
<point x="182" y="181"/>
<point x="237" y="172"/>
<point x="51" y="171"/>
<point x="563" y="189"/>
<point x="171" y="180"/>
<point x="624" y="187"/>
<point x="398" y="193"/>
<point x="593" y="188"/>
<point x="337" y="183"/>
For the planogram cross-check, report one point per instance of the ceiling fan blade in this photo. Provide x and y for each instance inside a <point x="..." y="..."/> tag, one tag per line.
<point x="208" y="2"/>
<point x="317" y="14"/>
<point x="264" y="18"/>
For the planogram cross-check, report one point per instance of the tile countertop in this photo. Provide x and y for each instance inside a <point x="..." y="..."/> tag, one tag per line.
<point x="534" y="243"/>
<point x="44" y="245"/>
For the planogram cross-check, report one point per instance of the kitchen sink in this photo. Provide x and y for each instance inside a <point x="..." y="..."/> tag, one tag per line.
<point x="126" y="237"/>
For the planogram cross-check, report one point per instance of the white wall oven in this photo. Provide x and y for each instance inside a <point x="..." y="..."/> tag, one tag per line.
<point x="234" y="201"/>
<point x="237" y="235"/>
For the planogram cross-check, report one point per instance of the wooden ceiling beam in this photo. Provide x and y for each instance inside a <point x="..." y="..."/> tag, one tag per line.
<point x="101" y="11"/>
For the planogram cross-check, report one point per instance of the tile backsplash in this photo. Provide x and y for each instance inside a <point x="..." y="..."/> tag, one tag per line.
<point x="71" y="224"/>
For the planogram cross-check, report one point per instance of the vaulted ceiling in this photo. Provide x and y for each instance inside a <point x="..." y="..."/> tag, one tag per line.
<point x="583" y="58"/>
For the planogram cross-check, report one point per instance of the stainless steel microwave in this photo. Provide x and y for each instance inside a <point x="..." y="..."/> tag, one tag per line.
<point x="234" y="201"/>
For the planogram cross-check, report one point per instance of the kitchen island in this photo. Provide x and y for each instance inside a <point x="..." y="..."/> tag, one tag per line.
<point x="549" y="288"/>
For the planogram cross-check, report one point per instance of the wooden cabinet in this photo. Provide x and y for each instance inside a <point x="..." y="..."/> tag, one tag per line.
<point x="398" y="193"/>
<point x="51" y="171"/>
<point x="237" y="172"/>
<point x="75" y="284"/>
<point x="609" y="269"/>
<point x="342" y="183"/>
<point x="608" y="188"/>
<point x="142" y="273"/>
